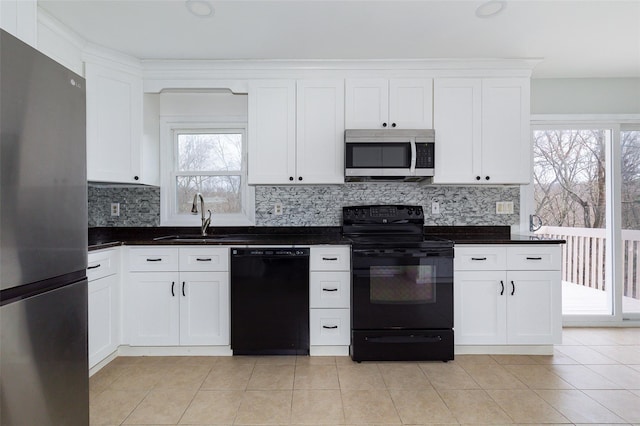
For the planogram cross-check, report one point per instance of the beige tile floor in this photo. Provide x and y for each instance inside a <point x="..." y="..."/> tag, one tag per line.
<point x="593" y="378"/>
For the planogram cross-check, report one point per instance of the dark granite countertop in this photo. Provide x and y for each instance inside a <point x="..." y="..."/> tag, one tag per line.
<point x="106" y="237"/>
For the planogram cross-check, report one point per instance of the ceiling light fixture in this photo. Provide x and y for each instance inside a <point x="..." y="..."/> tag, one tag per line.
<point x="199" y="8"/>
<point x="490" y="8"/>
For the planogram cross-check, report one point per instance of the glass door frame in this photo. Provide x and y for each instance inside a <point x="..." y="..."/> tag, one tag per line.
<point x="613" y="248"/>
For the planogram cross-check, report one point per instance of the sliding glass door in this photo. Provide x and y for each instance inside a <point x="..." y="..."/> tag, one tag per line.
<point x="586" y="190"/>
<point x="570" y="193"/>
<point x="630" y="220"/>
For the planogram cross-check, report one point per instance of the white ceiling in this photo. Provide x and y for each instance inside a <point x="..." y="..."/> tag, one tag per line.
<point x="585" y="38"/>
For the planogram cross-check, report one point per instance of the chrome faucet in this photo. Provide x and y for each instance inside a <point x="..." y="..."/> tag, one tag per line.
<point x="194" y="210"/>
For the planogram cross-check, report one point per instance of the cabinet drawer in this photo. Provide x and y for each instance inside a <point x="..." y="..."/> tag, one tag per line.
<point x="153" y="259"/>
<point x="533" y="258"/>
<point x="329" y="289"/>
<point x="102" y="263"/>
<point x="204" y="259"/>
<point x="478" y="258"/>
<point x="330" y="258"/>
<point x="329" y="327"/>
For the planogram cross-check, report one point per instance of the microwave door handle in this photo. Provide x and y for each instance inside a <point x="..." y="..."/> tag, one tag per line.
<point x="413" y="156"/>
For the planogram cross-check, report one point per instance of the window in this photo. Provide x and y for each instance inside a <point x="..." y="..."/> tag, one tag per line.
<point x="205" y="159"/>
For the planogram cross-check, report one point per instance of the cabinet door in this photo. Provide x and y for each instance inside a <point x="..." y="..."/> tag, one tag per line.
<point x="272" y="132"/>
<point x="204" y="308"/>
<point x="480" y="307"/>
<point x="457" y="114"/>
<point x="533" y="312"/>
<point x="153" y="311"/>
<point x="506" y="147"/>
<point x="411" y="103"/>
<point x="367" y="103"/>
<point x="20" y="18"/>
<point x="320" y="131"/>
<point x="114" y="124"/>
<point x="103" y="318"/>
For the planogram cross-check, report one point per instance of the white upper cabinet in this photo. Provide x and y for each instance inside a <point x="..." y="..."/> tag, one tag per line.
<point x="114" y="125"/>
<point x="272" y="127"/>
<point x="20" y="18"/>
<point x="296" y="132"/>
<point x="377" y="103"/>
<point x="506" y="138"/>
<point x="482" y="130"/>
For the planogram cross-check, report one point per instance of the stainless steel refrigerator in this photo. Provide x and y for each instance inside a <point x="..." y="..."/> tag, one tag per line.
<point x="43" y="240"/>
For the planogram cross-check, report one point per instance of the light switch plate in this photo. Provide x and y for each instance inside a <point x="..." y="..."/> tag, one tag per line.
<point x="504" y="207"/>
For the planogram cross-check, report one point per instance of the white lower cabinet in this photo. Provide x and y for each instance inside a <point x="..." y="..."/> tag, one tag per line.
<point x="103" y="304"/>
<point x="169" y="308"/>
<point x="519" y="304"/>
<point x="329" y="294"/>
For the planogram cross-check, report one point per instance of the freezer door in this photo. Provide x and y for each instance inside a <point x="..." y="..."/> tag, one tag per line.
<point x="43" y="359"/>
<point x="43" y="178"/>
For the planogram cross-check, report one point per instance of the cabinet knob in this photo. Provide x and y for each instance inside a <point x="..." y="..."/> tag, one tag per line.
<point x="486" y="178"/>
<point x="136" y="178"/>
<point x="384" y="124"/>
<point x="477" y="177"/>
<point x="393" y="124"/>
<point x="290" y="177"/>
<point x="299" y="177"/>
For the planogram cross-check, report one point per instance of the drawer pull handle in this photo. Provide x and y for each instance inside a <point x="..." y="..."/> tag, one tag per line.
<point x="502" y="288"/>
<point x="173" y="284"/>
<point x="478" y="258"/>
<point x="330" y="327"/>
<point x="203" y="259"/>
<point x="183" y="295"/>
<point x="329" y="258"/>
<point x="94" y="266"/>
<point x="534" y="258"/>
<point x="157" y="259"/>
<point x="513" y="288"/>
<point x="329" y="289"/>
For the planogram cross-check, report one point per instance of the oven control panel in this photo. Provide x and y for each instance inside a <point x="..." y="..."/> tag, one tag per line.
<point x="381" y="214"/>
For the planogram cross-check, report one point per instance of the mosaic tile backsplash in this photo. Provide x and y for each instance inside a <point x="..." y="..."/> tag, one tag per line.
<point x="139" y="205"/>
<point x="321" y="205"/>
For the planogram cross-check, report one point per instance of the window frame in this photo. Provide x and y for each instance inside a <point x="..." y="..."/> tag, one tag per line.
<point x="170" y="127"/>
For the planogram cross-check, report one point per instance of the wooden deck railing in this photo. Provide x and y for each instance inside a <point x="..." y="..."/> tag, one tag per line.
<point x="583" y="257"/>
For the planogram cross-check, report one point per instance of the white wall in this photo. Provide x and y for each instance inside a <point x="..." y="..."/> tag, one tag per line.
<point x="59" y="43"/>
<point x="585" y="96"/>
<point x="213" y="103"/>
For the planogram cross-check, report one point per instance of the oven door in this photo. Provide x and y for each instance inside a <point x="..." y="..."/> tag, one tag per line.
<point x="402" y="288"/>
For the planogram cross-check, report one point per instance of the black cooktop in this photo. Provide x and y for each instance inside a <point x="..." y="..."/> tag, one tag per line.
<point x="388" y="226"/>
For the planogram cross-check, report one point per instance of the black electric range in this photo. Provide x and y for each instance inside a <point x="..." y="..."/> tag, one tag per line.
<point x="402" y="285"/>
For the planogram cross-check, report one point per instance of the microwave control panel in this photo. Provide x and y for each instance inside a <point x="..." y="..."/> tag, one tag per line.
<point x="425" y="155"/>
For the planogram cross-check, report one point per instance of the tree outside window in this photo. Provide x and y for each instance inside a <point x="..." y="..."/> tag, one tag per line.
<point x="209" y="163"/>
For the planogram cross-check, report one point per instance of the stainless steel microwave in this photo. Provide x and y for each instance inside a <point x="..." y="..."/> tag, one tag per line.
<point x="389" y="155"/>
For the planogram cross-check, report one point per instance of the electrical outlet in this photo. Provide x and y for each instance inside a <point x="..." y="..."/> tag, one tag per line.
<point x="435" y="207"/>
<point x="115" y="209"/>
<point x="277" y="209"/>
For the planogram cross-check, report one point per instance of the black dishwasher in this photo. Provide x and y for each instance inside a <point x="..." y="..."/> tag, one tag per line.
<point x="270" y="301"/>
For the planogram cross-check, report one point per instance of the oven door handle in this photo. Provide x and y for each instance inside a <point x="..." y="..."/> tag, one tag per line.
<point x="403" y="253"/>
<point x="411" y="338"/>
